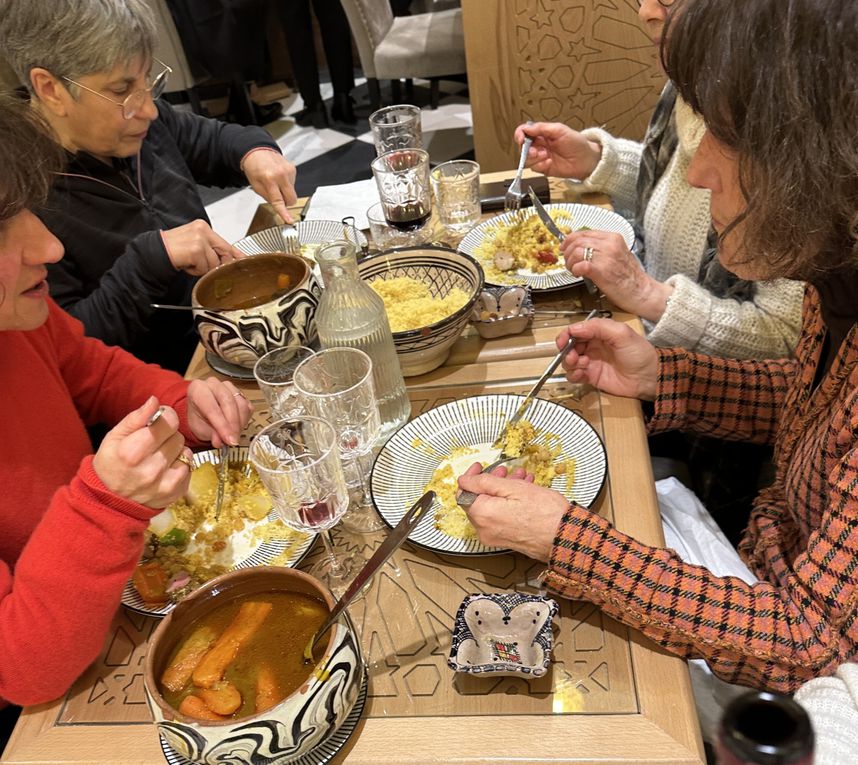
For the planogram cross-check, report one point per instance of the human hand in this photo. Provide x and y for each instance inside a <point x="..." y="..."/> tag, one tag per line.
<point x="272" y="176"/>
<point x="513" y="512"/>
<point x="616" y="272"/>
<point x="558" y="150"/>
<point x="195" y="248"/>
<point x="217" y="411"/>
<point x="611" y="357"/>
<point x="141" y="463"/>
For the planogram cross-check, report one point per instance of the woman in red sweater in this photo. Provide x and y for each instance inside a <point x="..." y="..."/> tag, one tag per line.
<point x="72" y="523"/>
<point x="775" y="83"/>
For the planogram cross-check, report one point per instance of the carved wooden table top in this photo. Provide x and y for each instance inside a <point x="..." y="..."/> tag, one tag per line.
<point x="611" y="696"/>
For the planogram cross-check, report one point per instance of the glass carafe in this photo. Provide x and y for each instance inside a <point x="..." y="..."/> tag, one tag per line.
<point x="350" y="314"/>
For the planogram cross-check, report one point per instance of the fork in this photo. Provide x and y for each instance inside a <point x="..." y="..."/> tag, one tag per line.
<point x="514" y="194"/>
<point x="291" y="242"/>
<point x="467" y="498"/>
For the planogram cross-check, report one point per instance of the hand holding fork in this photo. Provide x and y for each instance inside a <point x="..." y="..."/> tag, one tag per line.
<point x="514" y="194"/>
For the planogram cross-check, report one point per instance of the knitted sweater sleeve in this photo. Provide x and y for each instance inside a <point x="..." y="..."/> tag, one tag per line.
<point x="617" y="171"/>
<point x="766" y="326"/>
<point x="67" y="585"/>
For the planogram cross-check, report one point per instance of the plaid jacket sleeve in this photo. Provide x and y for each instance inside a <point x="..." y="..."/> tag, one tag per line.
<point x="725" y="398"/>
<point x="801" y="619"/>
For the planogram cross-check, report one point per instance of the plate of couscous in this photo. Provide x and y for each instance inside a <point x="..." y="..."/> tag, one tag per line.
<point x="554" y="443"/>
<point x="311" y="234"/>
<point x="185" y="547"/>
<point x="516" y="248"/>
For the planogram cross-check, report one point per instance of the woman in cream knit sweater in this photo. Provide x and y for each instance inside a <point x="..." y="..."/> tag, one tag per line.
<point x="677" y="287"/>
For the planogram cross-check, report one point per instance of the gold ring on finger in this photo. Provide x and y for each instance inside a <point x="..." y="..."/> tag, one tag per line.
<point x="185" y="460"/>
<point x="588" y="254"/>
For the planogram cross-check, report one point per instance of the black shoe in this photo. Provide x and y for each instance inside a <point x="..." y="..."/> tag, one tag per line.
<point x="314" y="115"/>
<point x="266" y="113"/>
<point x="342" y="109"/>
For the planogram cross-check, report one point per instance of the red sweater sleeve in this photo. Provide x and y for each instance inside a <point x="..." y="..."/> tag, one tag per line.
<point x="67" y="586"/>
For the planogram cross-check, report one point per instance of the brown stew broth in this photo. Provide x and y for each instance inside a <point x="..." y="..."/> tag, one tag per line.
<point x="278" y="643"/>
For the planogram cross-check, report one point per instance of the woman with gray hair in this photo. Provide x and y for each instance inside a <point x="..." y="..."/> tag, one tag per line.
<point x="126" y="208"/>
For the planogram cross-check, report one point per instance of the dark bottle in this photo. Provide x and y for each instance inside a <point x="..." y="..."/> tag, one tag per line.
<point x="762" y="728"/>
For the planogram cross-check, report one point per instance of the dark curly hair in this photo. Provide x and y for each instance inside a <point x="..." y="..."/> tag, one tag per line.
<point x="777" y="82"/>
<point x="29" y="157"/>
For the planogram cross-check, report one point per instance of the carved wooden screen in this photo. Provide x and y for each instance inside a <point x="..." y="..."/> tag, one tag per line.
<point x="581" y="62"/>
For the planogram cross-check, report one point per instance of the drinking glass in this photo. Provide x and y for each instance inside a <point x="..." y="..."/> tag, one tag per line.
<point x="402" y="178"/>
<point x="336" y="384"/>
<point x="396" y="127"/>
<point x="456" y="188"/>
<point x="385" y="236"/>
<point x="299" y="464"/>
<point x="273" y="373"/>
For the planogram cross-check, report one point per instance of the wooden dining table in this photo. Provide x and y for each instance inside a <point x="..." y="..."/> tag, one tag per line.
<point x="611" y="695"/>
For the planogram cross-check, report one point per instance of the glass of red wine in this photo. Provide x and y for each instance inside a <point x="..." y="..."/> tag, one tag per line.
<point x="298" y="462"/>
<point x="402" y="177"/>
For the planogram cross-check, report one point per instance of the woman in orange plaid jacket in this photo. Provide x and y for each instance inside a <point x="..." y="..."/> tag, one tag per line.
<point x="780" y="158"/>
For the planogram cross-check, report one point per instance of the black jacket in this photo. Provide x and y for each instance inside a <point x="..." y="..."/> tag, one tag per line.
<point x="115" y="263"/>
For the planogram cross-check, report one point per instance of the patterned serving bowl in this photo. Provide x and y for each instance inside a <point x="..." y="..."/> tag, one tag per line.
<point x="423" y="349"/>
<point x="289" y="729"/>
<point x="247" y="307"/>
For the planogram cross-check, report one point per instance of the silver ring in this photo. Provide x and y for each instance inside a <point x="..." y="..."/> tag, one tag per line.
<point x="588" y="254"/>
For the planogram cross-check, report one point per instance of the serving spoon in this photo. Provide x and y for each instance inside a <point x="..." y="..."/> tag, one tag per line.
<point x="419" y="510"/>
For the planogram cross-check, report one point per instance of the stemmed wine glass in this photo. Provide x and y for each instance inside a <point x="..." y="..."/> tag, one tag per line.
<point x="336" y="384"/>
<point x="298" y="462"/>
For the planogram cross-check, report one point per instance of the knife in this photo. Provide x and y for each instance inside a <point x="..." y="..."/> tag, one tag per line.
<point x="549" y="223"/>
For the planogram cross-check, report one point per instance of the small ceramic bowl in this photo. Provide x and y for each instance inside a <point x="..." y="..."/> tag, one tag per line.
<point x="503" y="634"/>
<point x="240" y="315"/>
<point x="501" y="311"/>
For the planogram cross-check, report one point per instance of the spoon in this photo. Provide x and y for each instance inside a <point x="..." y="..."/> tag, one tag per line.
<point x="418" y="511"/>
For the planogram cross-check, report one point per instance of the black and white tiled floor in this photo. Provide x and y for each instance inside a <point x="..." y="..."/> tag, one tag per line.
<point x="342" y="153"/>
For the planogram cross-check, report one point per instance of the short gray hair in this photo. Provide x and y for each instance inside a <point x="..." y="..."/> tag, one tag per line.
<point x="74" y="38"/>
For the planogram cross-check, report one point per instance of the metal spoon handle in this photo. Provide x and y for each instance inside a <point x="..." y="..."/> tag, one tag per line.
<point x="396" y="537"/>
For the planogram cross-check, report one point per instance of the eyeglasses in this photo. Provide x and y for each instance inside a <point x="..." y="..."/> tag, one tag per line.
<point x="134" y="101"/>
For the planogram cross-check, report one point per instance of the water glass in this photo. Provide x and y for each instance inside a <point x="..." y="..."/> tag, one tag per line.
<point x="337" y="385"/>
<point x="384" y="236"/>
<point x="298" y="462"/>
<point x="274" y="372"/>
<point x="396" y="127"/>
<point x="402" y="178"/>
<point x="456" y="188"/>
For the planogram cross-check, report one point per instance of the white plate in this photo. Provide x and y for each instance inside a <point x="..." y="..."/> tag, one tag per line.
<point x="309" y="232"/>
<point x="407" y="461"/>
<point x="246" y="557"/>
<point x="583" y="216"/>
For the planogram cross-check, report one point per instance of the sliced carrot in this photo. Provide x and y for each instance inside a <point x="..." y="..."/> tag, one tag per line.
<point x="268" y="691"/>
<point x="223" y="698"/>
<point x="179" y="672"/>
<point x="194" y="706"/>
<point x="284" y="281"/>
<point x="150" y="580"/>
<point x="243" y="626"/>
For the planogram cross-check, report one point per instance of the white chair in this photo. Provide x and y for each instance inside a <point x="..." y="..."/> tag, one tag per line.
<point x="427" y="45"/>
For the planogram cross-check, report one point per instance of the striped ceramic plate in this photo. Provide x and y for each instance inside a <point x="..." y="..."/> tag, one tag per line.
<point x="310" y="232"/>
<point x="582" y="216"/>
<point x="407" y="461"/>
<point x="245" y="554"/>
